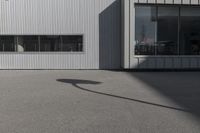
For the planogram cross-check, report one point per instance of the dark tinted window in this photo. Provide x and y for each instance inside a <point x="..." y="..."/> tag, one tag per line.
<point x="7" y="43"/>
<point x="50" y="43"/>
<point x="156" y="30"/>
<point x="190" y="31"/>
<point x="167" y="30"/>
<point x="72" y="43"/>
<point x="30" y="43"/>
<point x="45" y="43"/>
<point x="145" y="30"/>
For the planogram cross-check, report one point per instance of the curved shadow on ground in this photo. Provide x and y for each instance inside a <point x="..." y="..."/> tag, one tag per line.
<point x="76" y="83"/>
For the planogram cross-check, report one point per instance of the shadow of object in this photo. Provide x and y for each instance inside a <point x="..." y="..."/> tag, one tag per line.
<point x="76" y="82"/>
<point x="110" y="37"/>
<point x="183" y="88"/>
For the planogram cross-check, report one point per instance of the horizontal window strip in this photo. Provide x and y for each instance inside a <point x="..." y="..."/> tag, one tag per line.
<point x="43" y="43"/>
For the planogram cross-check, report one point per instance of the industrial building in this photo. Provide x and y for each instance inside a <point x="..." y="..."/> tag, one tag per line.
<point x="99" y="34"/>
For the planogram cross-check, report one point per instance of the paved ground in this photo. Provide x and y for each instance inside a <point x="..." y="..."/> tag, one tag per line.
<point x="99" y="102"/>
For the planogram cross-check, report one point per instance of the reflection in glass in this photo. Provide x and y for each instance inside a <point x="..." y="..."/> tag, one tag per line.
<point x="167" y="31"/>
<point x="145" y="30"/>
<point x="156" y="30"/>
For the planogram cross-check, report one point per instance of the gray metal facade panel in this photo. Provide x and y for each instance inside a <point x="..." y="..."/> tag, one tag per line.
<point x="63" y="17"/>
<point x="173" y="62"/>
<point x="193" y="2"/>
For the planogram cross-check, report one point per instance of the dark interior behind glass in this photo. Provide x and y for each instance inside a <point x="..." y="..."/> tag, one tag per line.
<point x="167" y="30"/>
<point x="44" y="43"/>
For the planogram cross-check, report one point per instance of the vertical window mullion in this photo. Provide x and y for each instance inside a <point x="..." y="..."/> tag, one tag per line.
<point x="36" y="45"/>
<point x="3" y="47"/>
<point x="179" y="30"/>
<point x="39" y="43"/>
<point x="24" y="45"/>
<point x="156" y="31"/>
<point x="61" y="43"/>
<point x="16" y="43"/>
<point x="13" y="45"/>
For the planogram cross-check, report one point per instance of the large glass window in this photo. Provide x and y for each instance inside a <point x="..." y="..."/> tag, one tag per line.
<point x="145" y="30"/>
<point x="167" y="30"/>
<point x="190" y="31"/>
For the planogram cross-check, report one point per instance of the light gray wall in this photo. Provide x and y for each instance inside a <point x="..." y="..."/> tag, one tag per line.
<point x="97" y="20"/>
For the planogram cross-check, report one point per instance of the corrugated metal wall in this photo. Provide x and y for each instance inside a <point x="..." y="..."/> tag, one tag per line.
<point x="63" y="17"/>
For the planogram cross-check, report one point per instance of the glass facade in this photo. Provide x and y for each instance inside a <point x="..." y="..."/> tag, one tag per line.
<point x="145" y="30"/>
<point x="190" y="31"/>
<point x="167" y="30"/>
